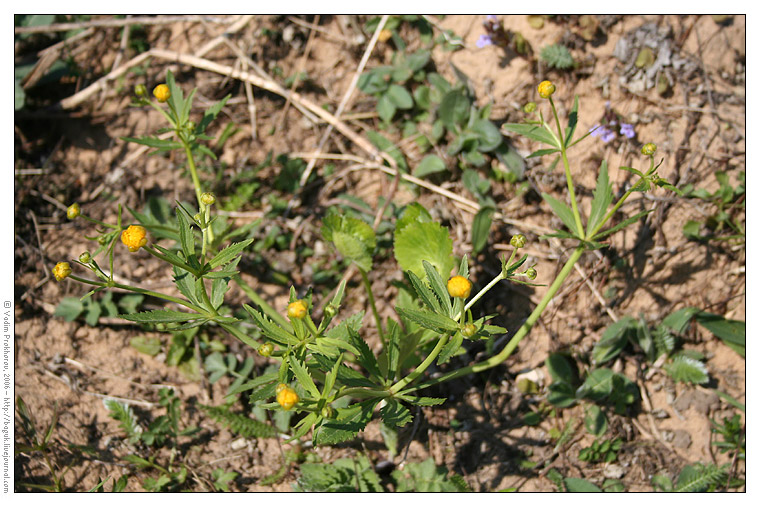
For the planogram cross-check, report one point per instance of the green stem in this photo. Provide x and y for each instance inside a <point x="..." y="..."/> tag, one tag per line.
<point x="566" y="164"/>
<point x="482" y="293"/>
<point x="193" y="170"/>
<point x="422" y="367"/>
<point x="98" y="222"/>
<point x="266" y="307"/>
<point x="371" y="298"/>
<point x="521" y="333"/>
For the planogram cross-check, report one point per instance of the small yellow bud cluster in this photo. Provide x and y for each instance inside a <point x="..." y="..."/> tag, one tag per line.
<point x="134" y="237"/>
<point x="61" y="270"/>
<point x="141" y="90"/>
<point x="469" y="330"/>
<point x="286" y="396"/>
<point x="648" y="149"/>
<point x="73" y="211"/>
<point x="546" y="89"/>
<point x="208" y="198"/>
<point x="266" y="349"/>
<point x="518" y="241"/>
<point x="162" y="93"/>
<point x="297" y="310"/>
<point x="531" y="273"/>
<point x="384" y="35"/>
<point x="459" y="287"/>
<point x="85" y="258"/>
<point x="529" y="107"/>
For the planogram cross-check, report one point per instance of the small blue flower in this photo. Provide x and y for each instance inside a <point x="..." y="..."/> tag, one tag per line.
<point x="626" y="129"/>
<point x="483" y="41"/>
<point x="602" y="132"/>
<point x="608" y="135"/>
<point x="492" y="18"/>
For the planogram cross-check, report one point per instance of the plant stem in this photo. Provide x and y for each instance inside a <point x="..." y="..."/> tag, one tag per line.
<point x="521" y="333"/>
<point x="266" y="307"/>
<point x="422" y="367"/>
<point x="371" y="299"/>
<point x="566" y="164"/>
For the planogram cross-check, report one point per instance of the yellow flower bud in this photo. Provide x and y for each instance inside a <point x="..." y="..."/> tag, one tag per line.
<point x="286" y="397"/>
<point x="546" y="89"/>
<point x="531" y="273"/>
<point x="208" y="198"/>
<point x="141" y="90"/>
<point x="61" y="270"/>
<point x="297" y="310"/>
<point x="162" y="93"/>
<point x="529" y="107"/>
<point x="134" y="237"/>
<point x="649" y="149"/>
<point x="459" y="287"/>
<point x="469" y="330"/>
<point x="266" y="349"/>
<point x="518" y="241"/>
<point x="85" y="258"/>
<point x="384" y="35"/>
<point x="73" y="211"/>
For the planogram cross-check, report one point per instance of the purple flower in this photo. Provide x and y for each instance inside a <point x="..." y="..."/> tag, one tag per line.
<point x="627" y="130"/>
<point x="602" y="132"/>
<point x="607" y="135"/>
<point x="492" y="18"/>
<point x="483" y="41"/>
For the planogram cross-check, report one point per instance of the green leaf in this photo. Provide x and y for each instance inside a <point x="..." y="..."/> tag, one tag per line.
<point x="602" y="199"/>
<point x="424" y="401"/>
<point x="386" y="109"/>
<point x="429" y="165"/>
<point x="561" y="369"/>
<point x="687" y="369"/>
<point x="423" y="241"/>
<point x="450" y="348"/>
<point x="238" y="423"/>
<point x="481" y="226"/>
<point x="454" y="108"/>
<point x="394" y="413"/>
<point x="354" y="238"/>
<point x="271" y="330"/>
<point x="439" y="287"/>
<point x="366" y="357"/>
<point x="69" y="308"/>
<point x="732" y="332"/>
<point x="614" y="339"/>
<point x="426" y="477"/>
<point x="347" y="425"/>
<point x="384" y="144"/>
<point x="572" y="122"/>
<point x="489" y="136"/>
<point x="186" y="237"/>
<point x="561" y="394"/>
<point x="429" y="320"/>
<point x="211" y="113"/>
<point x="126" y="417"/>
<point x="541" y="153"/>
<point x="398" y="95"/>
<point x="146" y="345"/>
<point x="161" y="316"/>
<point x="575" y="485"/>
<point x="303" y="376"/>
<point x="597" y="385"/>
<point x="229" y="253"/>
<point x="535" y="132"/>
<point x="564" y="212"/>
<point x="425" y="294"/>
<point x="154" y="142"/>
<point x="595" y="420"/>
<point x="394" y="348"/>
<point x="625" y="223"/>
<point x="679" y="320"/>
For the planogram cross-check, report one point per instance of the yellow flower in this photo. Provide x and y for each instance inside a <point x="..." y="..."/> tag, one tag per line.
<point x="384" y="35"/>
<point x="546" y="89"/>
<point x="162" y="93"/>
<point x="73" y="211"/>
<point x="648" y="149"/>
<point x="459" y="287"/>
<point x="61" y="270"/>
<point x="266" y="349"/>
<point x="286" y="397"/>
<point x="297" y="310"/>
<point x="134" y="237"/>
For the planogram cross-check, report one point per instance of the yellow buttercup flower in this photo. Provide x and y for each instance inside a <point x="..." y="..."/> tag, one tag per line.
<point x="134" y="237"/>
<point x="61" y="270"/>
<point x="546" y="89"/>
<point x="162" y="93"/>
<point x="73" y="211"/>
<point x="649" y="149"/>
<point x="384" y="35"/>
<point x="286" y="397"/>
<point x="459" y="287"/>
<point x="297" y="310"/>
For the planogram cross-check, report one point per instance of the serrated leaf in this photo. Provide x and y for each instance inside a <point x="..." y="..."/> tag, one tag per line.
<point x="354" y="238"/>
<point x="535" y="132"/>
<point x="229" y="253"/>
<point x="419" y="241"/>
<point x="429" y="320"/>
<point x="161" y="316"/>
<point x="564" y="212"/>
<point x="346" y="376"/>
<point x="424" y="292"/>
<point x="602" y="199"/>
<point x="238" y="423"/>
<point x="366" y="357"/>
<point x="395" y="414"/>
<point x="439" y="287"/>
<point x="303" y="376"/>
<point x="687" y="369"/>
<point x="347" y="425"/>
<point x="424" y="401"/>
<point x="450" y="348"/>
<point x="186" y="237"/>
<point x="270" y="329"/>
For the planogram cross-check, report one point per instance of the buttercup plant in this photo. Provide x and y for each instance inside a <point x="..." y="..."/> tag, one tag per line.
<point x="322" y="359"/>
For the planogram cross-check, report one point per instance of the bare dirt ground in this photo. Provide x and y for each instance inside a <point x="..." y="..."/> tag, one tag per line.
<point x="698" y="126"/>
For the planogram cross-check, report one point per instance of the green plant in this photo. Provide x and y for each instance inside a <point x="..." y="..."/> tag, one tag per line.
<point x="601" y="451"/>
<point x="557" y="56"/>
<point x="42" y="444"/>
<point x="729" y="201"/>
<point x="734" y="437"/>
<point x="695" y="478"/>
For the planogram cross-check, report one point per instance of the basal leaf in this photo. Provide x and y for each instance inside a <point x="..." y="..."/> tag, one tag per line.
<point x="429" y="165"/>
<point x="423" y="241"/>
